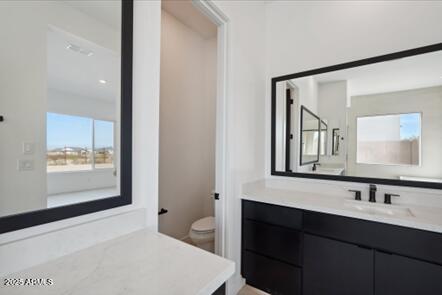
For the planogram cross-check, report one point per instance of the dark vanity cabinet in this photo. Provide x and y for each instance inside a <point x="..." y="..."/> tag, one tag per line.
<point x="336" y="268"/>
<point x="272" y="248"/>
<point x="292" y="251"/>
<point x="395" y="274"/>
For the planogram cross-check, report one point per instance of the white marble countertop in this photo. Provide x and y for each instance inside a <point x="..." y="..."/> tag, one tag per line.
<point x="143" y="262"/>
<point x="425" y="218"/>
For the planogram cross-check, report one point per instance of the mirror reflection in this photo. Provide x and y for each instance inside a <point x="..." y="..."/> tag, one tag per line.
<point x="310" y="125"/>
<point x="60" y="99"/>
<point x="382" y="120"/>
<point x="323" y="139"/>
<point x="335" y="141"/>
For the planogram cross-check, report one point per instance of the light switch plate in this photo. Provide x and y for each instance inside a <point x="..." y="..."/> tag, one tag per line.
<point x="25" y="165"/>
<point x="28" y="148"/>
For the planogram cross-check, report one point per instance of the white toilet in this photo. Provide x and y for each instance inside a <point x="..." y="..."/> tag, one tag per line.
<point x="202" y="233"/>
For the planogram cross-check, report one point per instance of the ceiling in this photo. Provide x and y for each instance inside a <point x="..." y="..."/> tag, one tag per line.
<point x="104" y="11"/>
<point x="189" y="15"/>
<point x="414" y="72"/>
<point x="79" y="74"/>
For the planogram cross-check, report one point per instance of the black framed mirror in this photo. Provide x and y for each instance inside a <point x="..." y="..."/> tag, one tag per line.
<point x="384" y="115"/>
<point x="310" y="137"/>
<point x="66" y="103"/>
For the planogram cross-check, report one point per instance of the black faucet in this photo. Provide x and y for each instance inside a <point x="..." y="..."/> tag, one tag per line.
<point x="357" y="194"/>
<point x="314" y="166"/>
<point x="373" y="190"/>
<point x="387" y="198"/>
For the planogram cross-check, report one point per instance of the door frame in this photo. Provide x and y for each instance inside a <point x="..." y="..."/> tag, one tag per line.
<point x="209" y="9"/>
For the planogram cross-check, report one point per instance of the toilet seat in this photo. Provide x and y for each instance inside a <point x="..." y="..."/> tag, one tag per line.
<point x="204" y="225"/>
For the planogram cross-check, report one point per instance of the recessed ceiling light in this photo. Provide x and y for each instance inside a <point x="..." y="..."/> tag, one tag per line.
<point x="102" y="81"/>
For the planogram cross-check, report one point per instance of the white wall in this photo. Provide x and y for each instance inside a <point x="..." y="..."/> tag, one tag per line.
<point x="27" y="247"/>
<point x="428" y="102"/>
<point x="245" y="114"/>
<point x="187" y="126"/>
<point x="75" y="181"/>
<point x="332" y="101"/>
<point x="280" y="126"/>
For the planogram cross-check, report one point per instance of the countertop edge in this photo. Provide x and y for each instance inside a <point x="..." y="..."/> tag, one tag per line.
<point x="219" y="280"/>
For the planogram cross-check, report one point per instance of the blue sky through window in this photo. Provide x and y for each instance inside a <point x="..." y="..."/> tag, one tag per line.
<point x="73" y="131"/>
<point x="104" y="131"/>
<point x="69" y="131"/>
<point x="410" y="125"/>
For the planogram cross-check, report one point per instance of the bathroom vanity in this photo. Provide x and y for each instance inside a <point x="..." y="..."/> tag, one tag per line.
<point x="351" y="123"/>
<point x="305" y="243"/>
<point x="143" y="262"/>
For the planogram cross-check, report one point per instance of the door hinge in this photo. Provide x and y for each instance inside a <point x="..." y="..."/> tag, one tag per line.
<point x="291" y="136"/>
<point x="216" y="196"/>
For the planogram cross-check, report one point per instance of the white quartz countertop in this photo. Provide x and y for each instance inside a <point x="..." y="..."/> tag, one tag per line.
<point x="424" y="218"/>
<point x="143" y="262"/>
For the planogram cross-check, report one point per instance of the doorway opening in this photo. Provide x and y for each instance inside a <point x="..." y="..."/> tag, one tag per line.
<point x="191" y="164"/>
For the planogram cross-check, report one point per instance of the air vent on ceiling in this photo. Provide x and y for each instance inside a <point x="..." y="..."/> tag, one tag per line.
<point x="78" y="49"/>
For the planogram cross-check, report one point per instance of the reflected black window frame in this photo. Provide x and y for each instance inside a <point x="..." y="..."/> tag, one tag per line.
<point x="337" y="67"/>
<point x="38" y="217"/>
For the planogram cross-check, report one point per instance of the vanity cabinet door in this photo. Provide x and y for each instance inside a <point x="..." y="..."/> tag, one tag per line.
<point x="336" y="268"/>
<point x="405" y="276"/>
<point x="269" y="275"/>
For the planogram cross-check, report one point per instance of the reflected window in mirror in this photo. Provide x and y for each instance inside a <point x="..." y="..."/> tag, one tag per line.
<point x="78" y="144"/>
<point x="389" y="139"/>
<point x="68" y="143"/>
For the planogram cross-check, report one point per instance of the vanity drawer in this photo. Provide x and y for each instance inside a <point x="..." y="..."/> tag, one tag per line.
<point x="410" y="242"/>
<point x="271" y="276"/>
<point x="273" y="241"/>
<point x="272" y="214"/>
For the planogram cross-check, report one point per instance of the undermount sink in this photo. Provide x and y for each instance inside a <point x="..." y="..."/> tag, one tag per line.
<point x="379" y="209"/>
<point x="327" y="170"/>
